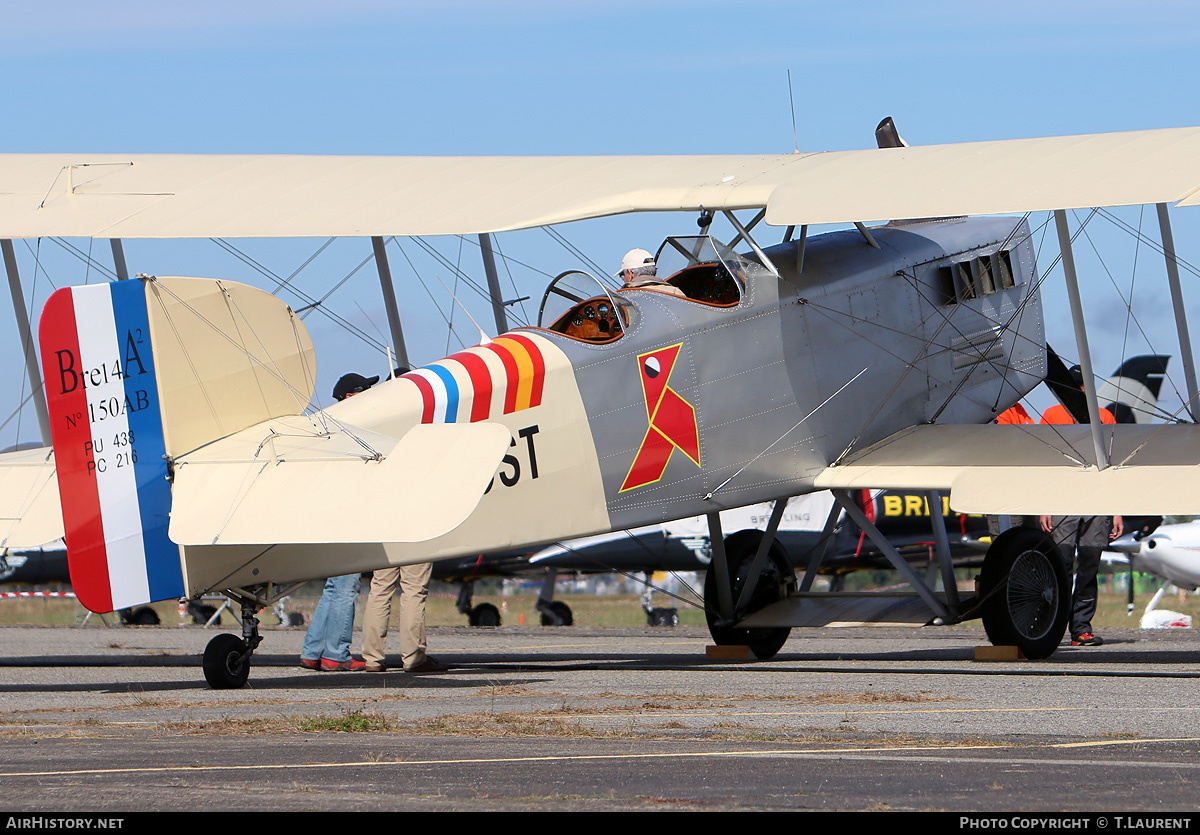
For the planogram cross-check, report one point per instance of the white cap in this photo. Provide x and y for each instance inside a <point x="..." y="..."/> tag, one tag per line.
<point x="635" y="258"/>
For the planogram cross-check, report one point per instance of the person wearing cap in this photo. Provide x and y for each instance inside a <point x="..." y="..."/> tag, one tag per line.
<point x="327" y="642"/>
<point x="1084" y="538"/>
<point x="351" y="384"/>
<point x="638" y="270"/>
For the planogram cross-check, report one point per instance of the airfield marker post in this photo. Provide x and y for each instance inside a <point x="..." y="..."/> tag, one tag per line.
<point x="23" y="330"/>
<point x="1185" y="340"/>
<point x="1081" y="340"/>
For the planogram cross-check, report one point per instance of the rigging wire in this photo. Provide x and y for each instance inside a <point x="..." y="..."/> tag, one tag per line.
<point x="309" y="300"/>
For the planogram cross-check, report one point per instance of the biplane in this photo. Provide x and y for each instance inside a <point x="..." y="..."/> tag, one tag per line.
<point x="186" y="458"/>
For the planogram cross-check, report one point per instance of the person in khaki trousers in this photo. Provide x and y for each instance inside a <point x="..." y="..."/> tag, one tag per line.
<point x="414" y="588"/>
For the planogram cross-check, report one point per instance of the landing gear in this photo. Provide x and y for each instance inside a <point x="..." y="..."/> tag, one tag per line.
<point x="485" y="614"/>
<point x="556" y="613"/>
<point x="772" y="586"/>
<point x="227" y="657"/>
<point x="226" y="662"/>
<point x="1024" y="589"/>
<point x="656" y="616"/>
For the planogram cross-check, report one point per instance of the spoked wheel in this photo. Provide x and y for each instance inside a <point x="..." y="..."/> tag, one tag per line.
<point x="1025" y="589"/>
<point x="558" y="610"/>
<point x="226" y="662"/>
<point x="485" y="614"/>
<point x="740" y="548"/>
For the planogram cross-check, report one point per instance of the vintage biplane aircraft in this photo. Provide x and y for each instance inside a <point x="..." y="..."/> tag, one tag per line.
<point x="187" y="457"/>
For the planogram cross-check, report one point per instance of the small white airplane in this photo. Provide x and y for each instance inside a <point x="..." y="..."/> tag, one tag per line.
<point x="186" y="457"/>
<point x="1171" y="552"/>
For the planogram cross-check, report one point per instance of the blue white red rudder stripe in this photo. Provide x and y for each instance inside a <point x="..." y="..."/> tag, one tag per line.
<point x="106" y="423"/>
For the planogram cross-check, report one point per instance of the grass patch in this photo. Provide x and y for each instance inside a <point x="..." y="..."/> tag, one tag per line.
<point x="352" y="722"/>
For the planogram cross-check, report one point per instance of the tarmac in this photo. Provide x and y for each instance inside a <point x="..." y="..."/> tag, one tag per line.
<point x="120" y="719"/>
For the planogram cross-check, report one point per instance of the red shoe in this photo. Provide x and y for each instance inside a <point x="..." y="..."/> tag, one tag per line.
<point x="1086" y="639"/>
<point x="353" y="665"/>
<point x="310" y="663"/>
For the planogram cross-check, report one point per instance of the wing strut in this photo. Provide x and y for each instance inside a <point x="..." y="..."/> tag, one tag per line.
<point x="1185" y="341"/>
<point x="898" y="562"/>
<point x="760" y="558"/>
<point x="493" y="280"/>
<point x="938" y="523"/>
<point x="31" y="363"/>
<point x="389" y="302"/>
<point x="719" y="564"/>
<point x="817" y="555"/>
<point x="1081" y="340"/>
<point x="118" y="253"/>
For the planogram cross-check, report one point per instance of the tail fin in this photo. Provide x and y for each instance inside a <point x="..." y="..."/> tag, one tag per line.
<point x="138" y="372"/>
<point x="1131" y="394"/>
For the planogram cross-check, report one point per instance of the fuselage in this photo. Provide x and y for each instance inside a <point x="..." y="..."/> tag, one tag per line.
<point x="692" y="406"/>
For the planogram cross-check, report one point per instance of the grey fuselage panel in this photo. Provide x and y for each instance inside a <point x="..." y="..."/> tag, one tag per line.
<point x="941" y="323"/>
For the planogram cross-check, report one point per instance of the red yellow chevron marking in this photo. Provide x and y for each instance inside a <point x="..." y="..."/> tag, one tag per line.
<point x="672" y="420"/>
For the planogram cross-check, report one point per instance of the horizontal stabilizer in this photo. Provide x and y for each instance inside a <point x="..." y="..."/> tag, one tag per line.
<point x="278" y="484"/>
<point x="30" y="515"/>
<point x="1036" y="469"/>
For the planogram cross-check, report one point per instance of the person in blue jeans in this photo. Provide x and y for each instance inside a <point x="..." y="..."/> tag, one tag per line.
<point x="327" y="644"/>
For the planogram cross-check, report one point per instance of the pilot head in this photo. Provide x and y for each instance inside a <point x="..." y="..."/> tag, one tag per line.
<point x="636" y="262"/>
<point x="352" y="384"/>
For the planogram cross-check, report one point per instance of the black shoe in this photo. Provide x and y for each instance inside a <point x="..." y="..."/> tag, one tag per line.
<point x="1086" y="639"/>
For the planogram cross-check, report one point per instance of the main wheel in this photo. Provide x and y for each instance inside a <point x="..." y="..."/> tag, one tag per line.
<point x="1025" y="591"/>
<point x="740" y="548"/>
<point x="663" y="617"/>
<point x="226" y="662"/>
<point x="562" y="611"/>
<point x="485" y="614"/>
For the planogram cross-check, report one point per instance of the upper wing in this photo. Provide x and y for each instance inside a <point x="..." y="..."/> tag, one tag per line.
<point x="1035" y="469"/>
<point x="184" y="196"/>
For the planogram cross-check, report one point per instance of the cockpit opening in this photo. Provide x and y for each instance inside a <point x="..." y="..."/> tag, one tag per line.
<point x="698" y="269"/>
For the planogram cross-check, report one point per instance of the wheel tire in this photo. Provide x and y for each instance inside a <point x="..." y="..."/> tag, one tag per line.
<point x="226" y="664"/>
<point x="485" y="614"/>
<point x="664" y="617"/>
<point x="1026" y="600"/>
<point x="295" y="619"/>
<point x="740" y="548"/>
<point x="564" y="614"/>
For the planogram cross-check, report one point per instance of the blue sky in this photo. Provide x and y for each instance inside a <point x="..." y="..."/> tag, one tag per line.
<point x="464" y="77"/>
